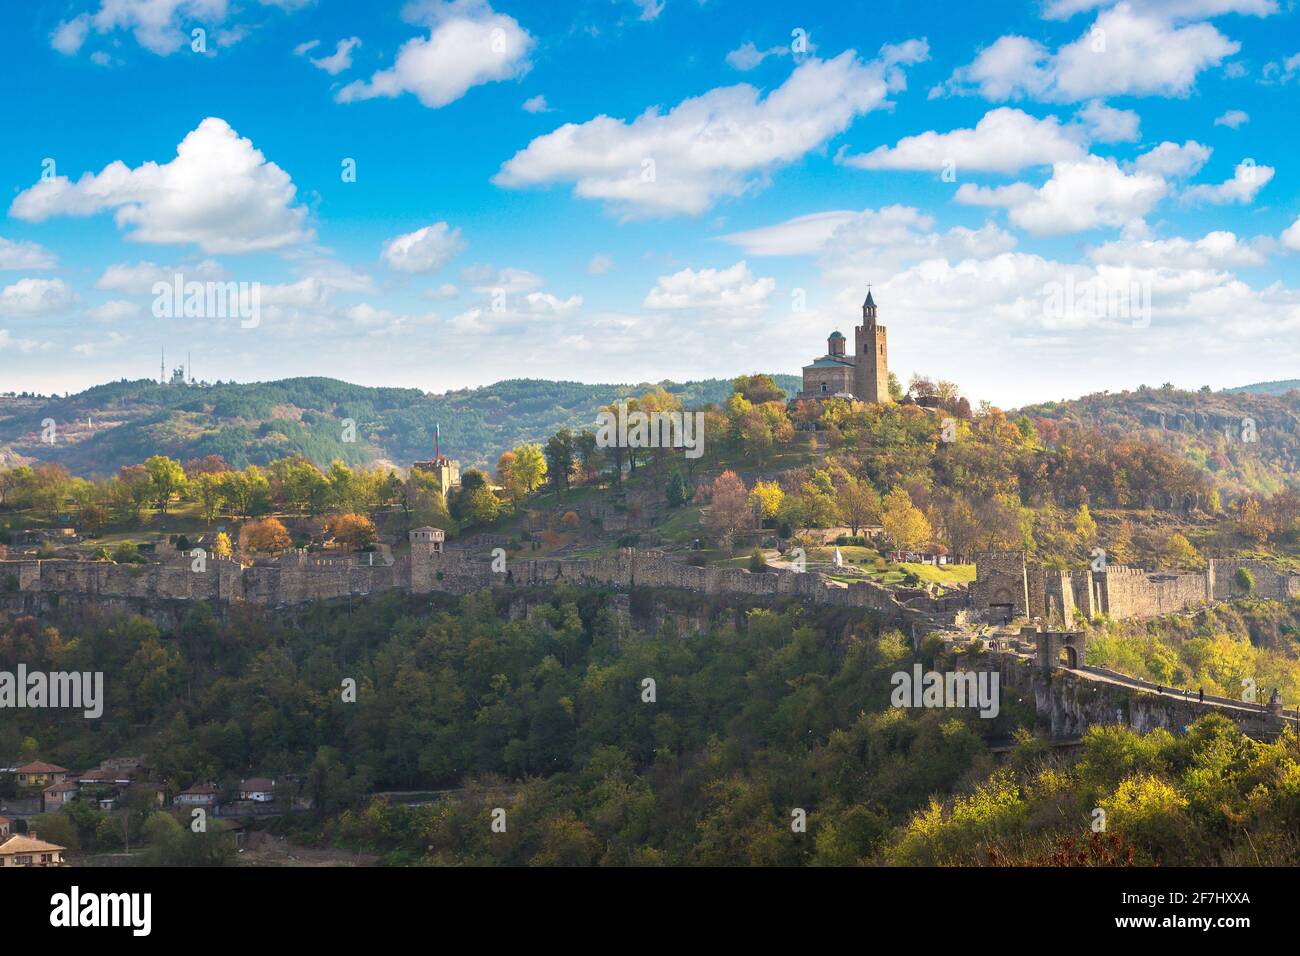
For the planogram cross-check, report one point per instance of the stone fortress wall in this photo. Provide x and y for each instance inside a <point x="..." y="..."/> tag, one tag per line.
<point x="1013" y="583"/>
<point x="297" y="578"/>
<point x="1006" y="581"/>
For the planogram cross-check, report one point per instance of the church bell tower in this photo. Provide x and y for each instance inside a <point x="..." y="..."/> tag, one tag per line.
<point x="871" y="375"/>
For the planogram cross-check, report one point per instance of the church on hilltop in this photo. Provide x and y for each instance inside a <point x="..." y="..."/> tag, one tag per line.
<point x="864" y="375"/>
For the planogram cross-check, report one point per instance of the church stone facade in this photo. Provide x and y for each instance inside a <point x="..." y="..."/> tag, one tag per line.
<point x="864" y="375"/>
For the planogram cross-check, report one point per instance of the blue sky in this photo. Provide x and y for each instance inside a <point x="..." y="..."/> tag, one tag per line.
<point x="1048" y="199"/>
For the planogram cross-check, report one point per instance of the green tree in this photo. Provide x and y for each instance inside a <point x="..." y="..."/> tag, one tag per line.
<point x="678" y="491"/>
<point x="559" y="458"/>
<point x="166" y="480"/>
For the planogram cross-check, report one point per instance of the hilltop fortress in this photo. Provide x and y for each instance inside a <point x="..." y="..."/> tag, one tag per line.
<point x="1007" y="586"/>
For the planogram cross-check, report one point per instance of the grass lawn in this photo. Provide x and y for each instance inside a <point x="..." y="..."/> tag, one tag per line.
<point x="945" y="574"/>
<point x="682" y="526"/>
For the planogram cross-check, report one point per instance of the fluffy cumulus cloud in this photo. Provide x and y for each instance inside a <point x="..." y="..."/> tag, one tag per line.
<point x="1291" y="237"/>
<point x="15" y="255"/>
<point x="1247" y="180"/>
<point x="160" y="26"/>
<point x="176" y="202"/>
<point x="1127" y="52"/>
<point x="1173" y="161"/>
<point x="1215" y="250"/>
<point x="723" y="143"/>
<point x="1106" y="124"/>
<point x="511" y="299"/>
<point x="1005" y="140"/>
<point x="35" y="297"/>
<point x="729" y="290"/>
<point x="425" y="250"/>
<point x="468" y="44"/>
<point x="1080" y="195"/>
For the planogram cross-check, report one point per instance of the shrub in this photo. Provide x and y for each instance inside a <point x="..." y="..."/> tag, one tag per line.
<point x="1245" y="580"/>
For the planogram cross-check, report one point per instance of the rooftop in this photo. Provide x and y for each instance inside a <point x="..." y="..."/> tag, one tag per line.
<point x="40" y="766"/>
<point x="18" y="843"/>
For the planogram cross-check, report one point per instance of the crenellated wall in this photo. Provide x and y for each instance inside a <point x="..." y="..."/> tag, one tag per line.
<point x="1011" y="579"/>
<point x="297" y="578"/>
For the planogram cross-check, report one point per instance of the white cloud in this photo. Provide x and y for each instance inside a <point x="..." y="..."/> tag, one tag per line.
<point x="139" y="279"/>
<point x="1170" y="9"/>
<point x="7" y="341"/>
<point x="160" y="26"/>
<point x="304" y="48"/>
<point x="468" y="44"/>
<point x="733" y="289"/>
<point x="1291" y="237"/>
<point x="537" y="104"/>
<point x="1126" y="52"/>
<point x="1283" y="72"/>
<point x="747" y="56"/>
<point x="446" y="290"/>
<point x="175" y="202"/>
<point x="69" y="35"/>
<point x="1080" y="195"/>
<point x="801" y="236"/>
<point x="425" y="250"/>
<point x="600" y="264"/>
<point x="871" y="242"/>
<point x="340" y="59"/>
<point x="375" y="321"/>
<point x="723" y="143"/>
<point x="650" y="9"/>
<point x="308" y="293"/>
<point x="543" y="303"/>
<point x="1215" y="250"/>
<point x="1233" y="119"/>
<point x="1173" y="161"/>
<point x="1247" y="180"/>
<point x="33" y="297"/>
<point x="510" y="280"/>
<point x="116" y="310"/>
<point x="19" y="255"/>
<point x="1005" y="140"/>
<point x="1105" y="124"/>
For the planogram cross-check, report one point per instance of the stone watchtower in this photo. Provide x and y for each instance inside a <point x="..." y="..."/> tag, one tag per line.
<point x="426" y="552"/>
<point x="871" y="375"/>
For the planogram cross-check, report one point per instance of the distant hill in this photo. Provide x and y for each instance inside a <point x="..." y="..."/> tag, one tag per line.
<point x="1267" y="388"/>
<point x="1247" y="438"/>
<point x="121" y="423"/>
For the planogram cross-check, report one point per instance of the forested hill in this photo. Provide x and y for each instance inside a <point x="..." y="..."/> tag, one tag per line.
<point x="121" y="423"/>
<point x="1247" y="438"/>
<point x="1269" y="388"/>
